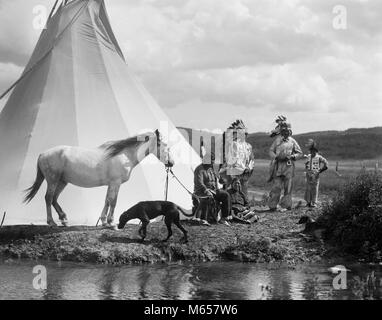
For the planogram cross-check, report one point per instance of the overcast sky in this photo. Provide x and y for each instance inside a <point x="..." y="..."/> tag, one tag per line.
<point x="208" y="62"/>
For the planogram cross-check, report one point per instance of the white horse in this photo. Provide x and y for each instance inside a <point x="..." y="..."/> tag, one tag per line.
<point x="108" y="165"/>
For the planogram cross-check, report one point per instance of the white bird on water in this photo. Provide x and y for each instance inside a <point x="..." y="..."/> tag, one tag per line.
<point x="338" y="269"/>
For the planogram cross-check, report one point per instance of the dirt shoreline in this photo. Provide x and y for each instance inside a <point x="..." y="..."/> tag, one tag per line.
<point x="275" y="238"/>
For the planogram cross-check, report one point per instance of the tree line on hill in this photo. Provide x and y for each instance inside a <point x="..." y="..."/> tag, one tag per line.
<point x="352" y="144"/>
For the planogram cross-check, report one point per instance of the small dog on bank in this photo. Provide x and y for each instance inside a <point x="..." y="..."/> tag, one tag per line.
<point x="312" y="227"/>
<point x="148" y="210"/>
<point x="310" y="224"/>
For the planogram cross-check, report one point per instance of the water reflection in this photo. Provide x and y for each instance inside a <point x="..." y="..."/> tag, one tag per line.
<point x="107" y="281"/>
<point x="211" y="281"/>
<point x="280" y="282"/>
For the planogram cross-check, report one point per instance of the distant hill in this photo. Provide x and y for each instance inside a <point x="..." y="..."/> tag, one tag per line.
<point x="354" y="144"/>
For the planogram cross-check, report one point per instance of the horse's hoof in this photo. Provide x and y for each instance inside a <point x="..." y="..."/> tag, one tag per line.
<point x="52" y="224"/>
<point x="65" y="223"/>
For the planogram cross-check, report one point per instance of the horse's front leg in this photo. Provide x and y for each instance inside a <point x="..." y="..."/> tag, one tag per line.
<point x="113" y="202"/>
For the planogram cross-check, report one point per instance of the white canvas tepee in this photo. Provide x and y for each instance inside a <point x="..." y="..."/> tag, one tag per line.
<point x="77" y="90"/>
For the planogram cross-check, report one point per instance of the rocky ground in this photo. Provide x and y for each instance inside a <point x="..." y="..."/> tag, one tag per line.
<point x="275" y="238"/>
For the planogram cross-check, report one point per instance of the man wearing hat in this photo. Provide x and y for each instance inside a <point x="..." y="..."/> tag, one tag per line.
<point x="206" y="185"/>
<point x="283" y="152"/>
<point x="314" y="165"/>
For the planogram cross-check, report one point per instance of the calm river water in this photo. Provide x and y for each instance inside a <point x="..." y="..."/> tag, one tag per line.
<point x="223" y="280"/>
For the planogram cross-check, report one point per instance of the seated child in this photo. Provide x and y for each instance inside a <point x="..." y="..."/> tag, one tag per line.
<point x="314" y="165"/>
<point x="241" y="210"/>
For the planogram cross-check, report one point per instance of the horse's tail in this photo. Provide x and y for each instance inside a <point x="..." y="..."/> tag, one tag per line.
<point x="188" y="215"/>
<point x="32" y="191"/>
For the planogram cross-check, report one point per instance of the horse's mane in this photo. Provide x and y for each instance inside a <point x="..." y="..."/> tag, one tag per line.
<point x="114" y="148"/>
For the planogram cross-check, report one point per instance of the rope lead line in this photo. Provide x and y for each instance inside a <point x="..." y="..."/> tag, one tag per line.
<point x="185" y="188"/>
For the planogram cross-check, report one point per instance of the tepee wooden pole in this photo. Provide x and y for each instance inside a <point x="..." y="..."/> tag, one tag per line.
<point x="2" y="221"/>
<point x="53" y="9"/>
<point x="166" y="185"/>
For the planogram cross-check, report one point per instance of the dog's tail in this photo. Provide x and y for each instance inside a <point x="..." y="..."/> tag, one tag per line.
<point x="188" y="215"/>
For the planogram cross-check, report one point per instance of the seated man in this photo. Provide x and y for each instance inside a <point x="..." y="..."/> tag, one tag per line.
<point x="206" y="185"/>
<point x="241" y="210"/>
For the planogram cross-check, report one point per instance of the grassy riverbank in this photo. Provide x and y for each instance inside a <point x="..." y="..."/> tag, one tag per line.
<point x="276" y="237"/>
<point x="350" y="222"/>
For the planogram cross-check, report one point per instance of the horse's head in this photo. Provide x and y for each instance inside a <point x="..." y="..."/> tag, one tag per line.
<point x="158" y="147"/>
<point x="142" y="146"/>
<point x="160" y="142"/>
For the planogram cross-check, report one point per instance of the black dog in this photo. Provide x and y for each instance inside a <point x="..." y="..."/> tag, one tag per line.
<point x="146" y="211"/>
<point x="310" y="224"/>
<point x="312" y="227"/>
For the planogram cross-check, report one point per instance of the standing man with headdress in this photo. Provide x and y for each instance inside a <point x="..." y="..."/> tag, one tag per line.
<point x="276" y="131"/>
<point x="239" y="157"/>
<point x="280" y="121"/>
<point x="283" y="152"/>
